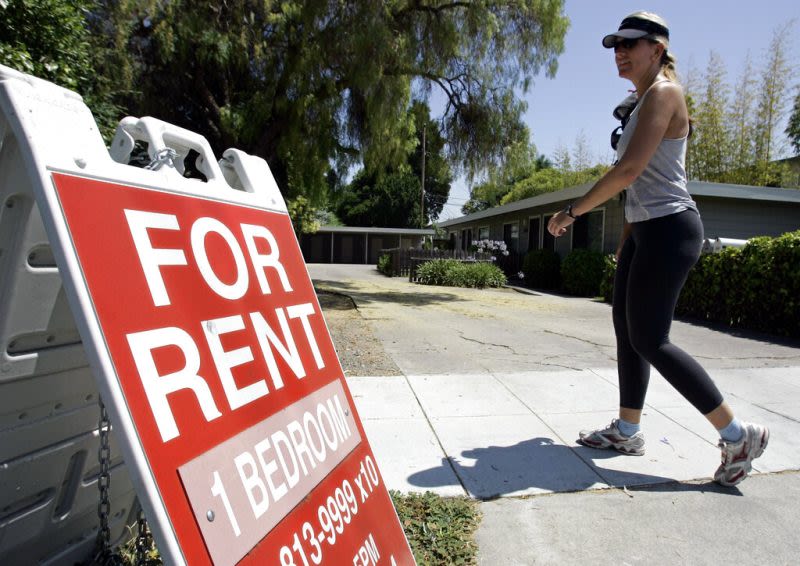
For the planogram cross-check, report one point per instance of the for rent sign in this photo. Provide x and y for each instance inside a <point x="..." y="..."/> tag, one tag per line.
<point x="236" y="396"/>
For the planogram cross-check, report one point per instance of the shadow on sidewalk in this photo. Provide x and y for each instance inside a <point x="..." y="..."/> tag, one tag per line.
<point x="542" y="465"/>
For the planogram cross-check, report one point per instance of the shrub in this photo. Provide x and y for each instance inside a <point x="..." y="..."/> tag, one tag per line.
<point x="435" y="272"/>
<point x="756" y="287"/>
<point x="542" y="269"/>
<point x="582" y="273"/>
<point x="454" y="273"/>
<point x="710" y="290"/>
<point x="785" y="282"/>
<point x="385" y="265"/>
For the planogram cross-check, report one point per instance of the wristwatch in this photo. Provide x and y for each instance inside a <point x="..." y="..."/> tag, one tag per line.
<point x="568" y="212"/>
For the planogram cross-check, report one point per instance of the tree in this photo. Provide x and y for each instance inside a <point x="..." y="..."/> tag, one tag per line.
<point x="389" y="201"/>
<point x="735" y="140"/>
<point x="51" y="39"/>
<point x="542" y="162"/>
<point x="525" y="174"/>
<point x="519" y="161"/>
<point x="484" y="195"/>
<point x="437" y="181"/>
<point x="776" y="73"/>
<point x="438" y="175"/>
<point x="793" y="128"/>
<point x="741" y="122"/>
<point x="316" y="84"/>
<point x="562" y="160"/>
<point x="304" y="216"/>
<point x="543" y="181"/>
<point x="710" y="146"/>
<point x="581" y="154"/>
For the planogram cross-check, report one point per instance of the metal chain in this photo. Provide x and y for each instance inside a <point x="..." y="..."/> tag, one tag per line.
<point x="103" y="555"/>
<point x="163" y="157"/>
<point x="144" y="540"/>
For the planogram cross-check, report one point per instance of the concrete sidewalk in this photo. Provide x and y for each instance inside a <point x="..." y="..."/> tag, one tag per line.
<point x="497" y="386"/>
<point x="513" y="435"/>
<point x="503" y="438"/>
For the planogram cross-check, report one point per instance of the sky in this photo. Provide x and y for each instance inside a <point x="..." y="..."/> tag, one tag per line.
<point x="586" y="88"/>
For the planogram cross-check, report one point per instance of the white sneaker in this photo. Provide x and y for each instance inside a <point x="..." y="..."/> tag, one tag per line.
<point x="737" y="457"/>
<point x="611" y="437"/>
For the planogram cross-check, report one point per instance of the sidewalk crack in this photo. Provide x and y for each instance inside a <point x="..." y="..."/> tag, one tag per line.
<point x="563" y="335"/>
<point x="482" y="343"/>
<point x="450" y="459"/>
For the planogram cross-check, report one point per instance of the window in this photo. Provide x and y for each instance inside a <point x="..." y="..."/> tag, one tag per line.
<point x="466" y="239"/>
<point x="483" y="233"/>
<point x="534" y="231"/>
<point x="548" y="241"/>
<point x="587" y="231"/>
<point x="511" y="236"/>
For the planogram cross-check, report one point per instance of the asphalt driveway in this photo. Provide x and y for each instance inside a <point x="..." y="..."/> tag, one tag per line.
<point x="496" y="384"/>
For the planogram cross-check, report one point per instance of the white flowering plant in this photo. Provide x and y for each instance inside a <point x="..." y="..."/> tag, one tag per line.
<point x="490" y="247"/>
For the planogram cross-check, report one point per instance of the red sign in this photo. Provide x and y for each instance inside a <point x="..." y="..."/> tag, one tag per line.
<point x="235" y="391"/>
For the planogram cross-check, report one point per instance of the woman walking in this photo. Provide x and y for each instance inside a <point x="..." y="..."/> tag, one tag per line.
<point x="661" y="241"/>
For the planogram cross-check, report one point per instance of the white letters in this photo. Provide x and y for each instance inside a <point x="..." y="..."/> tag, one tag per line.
<point x="331" y="441"/>
<point x="225" y="361"/>
<point x="149" y="257"/>
<point x="259" y="261"/>
<point x="252" y="482"/>
<point x="225" y="259"/>
<point x="289" y="353"/>
<point x="157" y="387"/>
<point x="289" y="453"/>
<point x="339" y="419"/>
<point x="298" y="438"/>
<point x="201" y="229"/>
<point x="302" y="312"/>
<point x="279" y="439"/>
<point x="308" y="424"/>
<point x="269" y="468"/>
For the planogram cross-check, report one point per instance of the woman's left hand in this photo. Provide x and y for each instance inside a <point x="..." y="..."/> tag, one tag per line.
<point x="558" y="224"/>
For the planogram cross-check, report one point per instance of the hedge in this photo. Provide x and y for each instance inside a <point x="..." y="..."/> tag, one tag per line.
<point x="582" y="273"/>
<point x="385" y="265"/>
<point x="756" y="287"/>
<point x="542" y="269"/>
<point x="455" y="273"/>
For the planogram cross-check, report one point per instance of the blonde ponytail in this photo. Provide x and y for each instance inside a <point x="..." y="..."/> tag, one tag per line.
<point x="668" y="64"/>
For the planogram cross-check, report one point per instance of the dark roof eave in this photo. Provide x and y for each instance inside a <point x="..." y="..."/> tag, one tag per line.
<point x="375" y="230"/>
<point x="538" y="200"/>
<point x="696" y="188"/>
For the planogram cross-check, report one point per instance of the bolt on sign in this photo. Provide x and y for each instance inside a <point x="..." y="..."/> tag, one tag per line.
<point x="208" y="343"/>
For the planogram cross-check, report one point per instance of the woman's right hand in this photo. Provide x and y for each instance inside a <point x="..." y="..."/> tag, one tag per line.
<point x="558" y="224"/>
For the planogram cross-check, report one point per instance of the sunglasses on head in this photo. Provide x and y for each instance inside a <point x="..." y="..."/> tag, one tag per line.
<point x="627" y="43"/>
<point x="623" y="113"/>
<point x="615" y="136"/>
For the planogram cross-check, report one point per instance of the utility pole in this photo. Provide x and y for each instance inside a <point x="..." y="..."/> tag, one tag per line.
<point x="422" y="193"/>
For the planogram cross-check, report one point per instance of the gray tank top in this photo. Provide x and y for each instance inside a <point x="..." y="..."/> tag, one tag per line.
<point x="661" y="188"/>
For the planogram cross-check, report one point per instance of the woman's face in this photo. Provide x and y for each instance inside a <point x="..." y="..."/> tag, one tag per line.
<point x="635" y="58"/>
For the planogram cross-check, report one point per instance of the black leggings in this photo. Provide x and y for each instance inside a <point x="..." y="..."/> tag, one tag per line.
<point x="653" y="266"/>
